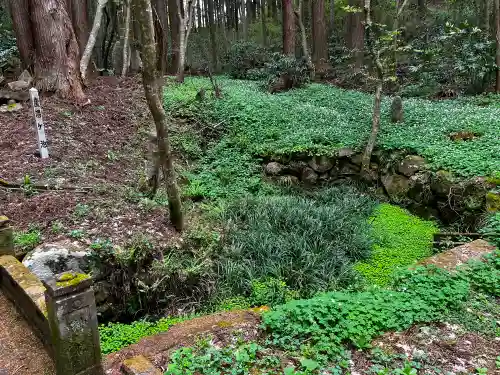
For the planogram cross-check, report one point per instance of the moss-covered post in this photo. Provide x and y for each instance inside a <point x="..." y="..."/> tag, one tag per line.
<point x="6" y="237"/>
<point x="72" y="319"/>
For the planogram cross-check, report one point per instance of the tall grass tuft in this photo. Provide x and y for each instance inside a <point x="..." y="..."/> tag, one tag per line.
<point x="310" y="242"/>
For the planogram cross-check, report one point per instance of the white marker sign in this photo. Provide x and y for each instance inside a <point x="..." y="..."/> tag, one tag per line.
<point x="40" y="127"/>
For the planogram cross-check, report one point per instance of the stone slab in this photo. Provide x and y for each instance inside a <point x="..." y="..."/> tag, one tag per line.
<point x="139" y="365"/>
<point x="450" y="259"/>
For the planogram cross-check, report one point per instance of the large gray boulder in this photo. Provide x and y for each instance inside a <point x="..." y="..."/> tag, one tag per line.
<point x="50" y="259"/>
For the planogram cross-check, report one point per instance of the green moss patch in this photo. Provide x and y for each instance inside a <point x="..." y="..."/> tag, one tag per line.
<point x="400" y="240"/>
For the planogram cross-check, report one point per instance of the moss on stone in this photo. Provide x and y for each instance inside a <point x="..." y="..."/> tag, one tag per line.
<point x="71" y="279"/>
<point x="493" y="202"/>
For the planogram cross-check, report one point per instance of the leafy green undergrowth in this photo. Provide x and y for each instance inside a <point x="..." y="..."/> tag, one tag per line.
<point x="26" y="241"/>
<point x="309" y="242"/>
<point x="313" y="336"/>
<point x="115" y="336"/>
<point x="320" y="119"/>
<point x="417" y="296"/>
<point x="400" y="239"/>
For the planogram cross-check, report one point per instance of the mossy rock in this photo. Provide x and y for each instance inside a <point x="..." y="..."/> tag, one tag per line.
<point x="493" y="201"/>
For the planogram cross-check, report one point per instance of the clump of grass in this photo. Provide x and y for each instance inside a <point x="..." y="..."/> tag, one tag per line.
<point x="310" y="242"/>
<point x="27" y="240"/>
<point x="400" y="239"/>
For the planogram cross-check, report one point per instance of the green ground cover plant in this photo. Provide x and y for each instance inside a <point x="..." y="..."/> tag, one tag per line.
<point x="320" y="119"/>
<point x="115" y="336"/>
<point x="426" y="294"/>
<point x="27" y="240"/>
<point x="400" y="239"/>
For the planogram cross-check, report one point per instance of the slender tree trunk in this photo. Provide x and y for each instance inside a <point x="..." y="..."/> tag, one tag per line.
<point x="497" y="34"/>
<point x="87" y="54"/>
<point x="199" y="24"/>
<point x="159" y="15"/>
<point x="211" y="29"/>
<point x="305" y="49"/>
<point x="56" y="50"/>
<point x="486" y="16"/>
<point x="20" y="14"/>
<point x="173" y="15"/>
<point x="320" y="42"/>
<point x="80" y="20"/>
<point x="332" y="17"/>
<point x="143" y="12"/>
<point x="288" y="28"/>
<point x="264" y="22"/>
<point x="126" y="38"/>
<point x="274" y="9"/>
<point x="365" y="166"/>
<point x="186" y="23"/>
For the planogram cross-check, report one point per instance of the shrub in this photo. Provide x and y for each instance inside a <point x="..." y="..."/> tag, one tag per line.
<point x="309" y="242"/>
<point x="115" y="336"/>
<point x="400" y="239"/>
<point x="243" y="57"/>
<point x="285" y="73"/>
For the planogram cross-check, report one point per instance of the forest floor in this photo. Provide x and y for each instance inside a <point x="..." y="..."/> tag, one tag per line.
<point x="101" y="146"/>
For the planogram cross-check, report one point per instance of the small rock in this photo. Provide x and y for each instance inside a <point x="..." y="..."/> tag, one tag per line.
<point x="18" y="85"/>
<point x="357" y="159"/>
<point x="309" y="176"/>
<point x="396" y="186"/>
<point x="50" y="259"/>
<point x="139" y="365"/>
<point x="321" y="164"/>
<point x="26" y="77"/>
<point x="273" y="168"/>
<point x="4" y="108"/>
<point x="348" y="169"/>
<point x="345" y="152"/>
<point x="397" y="109"/>
<point x="14" y="107"/>
<point x="411" y="165"/>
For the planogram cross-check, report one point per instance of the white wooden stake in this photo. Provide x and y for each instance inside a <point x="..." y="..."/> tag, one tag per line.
<point x="40" y="127"/>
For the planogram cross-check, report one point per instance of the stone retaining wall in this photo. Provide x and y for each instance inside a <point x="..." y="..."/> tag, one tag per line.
<point x="397" y="176"/>
<point x="60" y="311"/>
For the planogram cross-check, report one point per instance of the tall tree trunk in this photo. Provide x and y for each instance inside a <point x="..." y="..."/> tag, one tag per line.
<point x="80" y="20"/>
<point x="143" y="13"/>
<point x="305" y="49"/>
<point x="211" y="29"/>
<point x="332" y="17"/>
<point x="274" y="9"/>
<point x="173" y="15"/>
<point x="264" y="22"/>
<point x="160" y="16"/>
<point x="320" y="42"/>
<point x="56" y="50"/>
<point x="365" y="166"/>
<point x="497" y="34"/>
<point x="87" y="54"/>
<point x="126" y="38"/>
<point x="288" y="28"/>
<point x="20" y="14"/>
<point x="199" y="23"/>
<point x="486" y="16"/>
<point x="186" y="23"/>
<point x="357" y="34"/>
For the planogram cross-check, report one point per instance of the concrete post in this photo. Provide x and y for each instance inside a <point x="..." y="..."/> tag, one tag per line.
<point x="72" y="317"/>
<point x="6" y="237"/>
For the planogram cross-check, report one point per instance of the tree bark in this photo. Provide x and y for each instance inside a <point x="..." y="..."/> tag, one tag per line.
<point x="126" y="38"/>
<point x="56" y="50"/>
<point x="80" y="20"/>
<point x="186" y="23"/>
<point x="144" y="14"/>
<point x="199" y="23"/>
<point x="365" y="166"/>
<point x="173" y="15"/>
<point x="264" y="22"/>
<point x="160" y="15"/>
<point x="497" y="34"/>
<point x="305" y="49"/>
<point x="20" y="14"/>
<point x="211" y="29"/>
<point x="288" y="28"/>
<point x="320" y="42"/>
<point x="84" y="62"/>
<point x="332" y="17"/>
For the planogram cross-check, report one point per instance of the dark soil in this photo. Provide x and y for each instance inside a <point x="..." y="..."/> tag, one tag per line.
<point x="101" y="146"/>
